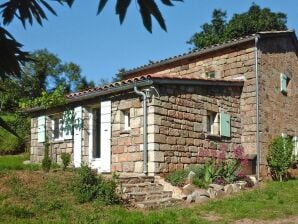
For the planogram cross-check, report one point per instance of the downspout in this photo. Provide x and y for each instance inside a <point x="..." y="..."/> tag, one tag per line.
<point x="257" y="109"/>
<point x="145" y="136"/>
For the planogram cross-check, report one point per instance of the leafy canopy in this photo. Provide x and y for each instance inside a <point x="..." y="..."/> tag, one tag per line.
<point x="280" y="157"/>
<point x="28" y="11"/>
<point x="254" y="20"/>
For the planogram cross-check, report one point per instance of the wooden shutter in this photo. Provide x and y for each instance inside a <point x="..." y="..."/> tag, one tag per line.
<point x="283" y="83"/>
<point x="41" y="128"/>
<point x="225" y="124"/>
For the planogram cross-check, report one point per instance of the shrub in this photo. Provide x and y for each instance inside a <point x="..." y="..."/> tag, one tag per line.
<point x="46" y="162"/>
<point x="87" y="187"/>
<point x="280" y="157"/>
<point x="177" y="177"/>
<point x="65" y="160"/>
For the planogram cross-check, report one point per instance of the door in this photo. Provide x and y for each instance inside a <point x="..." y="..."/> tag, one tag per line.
<point x="100" y="138"/>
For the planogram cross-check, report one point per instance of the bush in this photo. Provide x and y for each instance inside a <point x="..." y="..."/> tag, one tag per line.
<point x="46" y="162"/>
<point x="177" y="178"/>
<point x="65" y="160"/>
<point x="280" y="157"/>
<point x="87" y="187"/>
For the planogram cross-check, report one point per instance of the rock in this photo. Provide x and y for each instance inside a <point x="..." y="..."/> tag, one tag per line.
<point x="235" y="188"/>
<point x="26" y="162"/>
<point x="201" y="192"/>
<point x="216" y="187"/>
<point x="253" y="179"/>
<point x="188" y="189"/>
<point x="228" y="189"/>
<point x="241" y="184"/>
<point x="190" y="177"/>
<point x="189" y="198"/>
<point x="201" y="199"/>
<point x="212" y="192"/>
<point x="220" y="193"/>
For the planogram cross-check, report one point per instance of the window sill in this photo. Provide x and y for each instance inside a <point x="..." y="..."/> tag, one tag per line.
<point x="124" y="132"/>
<point x="58" y="141"/>
<point x="213" y="137"/>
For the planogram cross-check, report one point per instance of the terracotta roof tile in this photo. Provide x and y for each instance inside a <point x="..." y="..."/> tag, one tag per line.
<point x="142" y="78"/>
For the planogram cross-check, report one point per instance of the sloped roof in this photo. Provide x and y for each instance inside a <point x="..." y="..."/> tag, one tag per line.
<point x="216" y="47"/>
<point x="148" y="80"/>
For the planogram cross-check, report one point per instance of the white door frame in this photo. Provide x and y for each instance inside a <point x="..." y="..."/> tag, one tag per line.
<point x="102" y="164"/>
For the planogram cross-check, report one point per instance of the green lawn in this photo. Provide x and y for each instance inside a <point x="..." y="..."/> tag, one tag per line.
<point x="15" y="162"/>
<point x="28" y="196"/>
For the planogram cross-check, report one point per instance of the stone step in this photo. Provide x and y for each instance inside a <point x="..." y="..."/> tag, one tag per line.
<point x="140" y="187"/>
<point x="148" y="196"/>
<point x="160" y="203"/>
<point x="135" y="179"/>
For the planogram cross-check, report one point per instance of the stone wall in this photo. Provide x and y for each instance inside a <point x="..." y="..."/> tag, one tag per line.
<point x="56" y="147"/>
<point x="236" y="62"/>
<point x="278" y="111"/>
<point x="177" y="126"/>
<point x="127" y="145"/>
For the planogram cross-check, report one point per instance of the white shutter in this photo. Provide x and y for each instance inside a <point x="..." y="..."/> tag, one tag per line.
<point x="41" y="127"/>
<point x="105" y="135"/>
<point x="77" y="148"/>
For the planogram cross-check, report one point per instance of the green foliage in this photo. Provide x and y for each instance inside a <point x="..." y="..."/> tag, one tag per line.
<point x="12" y="56"/>
<point x="229" y="170"/>
<point x="15" y="162"/>
<point x="280" y="157"/>
<point x="87" y="187"/>
<point x="254" y="20"/>
<point x="65" y="159"/>
<point x="46" y="161"/>
<point x="177" y="178"/>
<point x="46" y="100"/>
<point x="14" y="143"/>
<point x="51" y="201"/>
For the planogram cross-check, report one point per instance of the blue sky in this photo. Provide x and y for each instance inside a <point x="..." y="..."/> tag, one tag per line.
<point x="101" y="46"/>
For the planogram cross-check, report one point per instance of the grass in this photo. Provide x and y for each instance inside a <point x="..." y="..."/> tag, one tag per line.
<point x="15" y="162"/>
<point x="28" y="196"/>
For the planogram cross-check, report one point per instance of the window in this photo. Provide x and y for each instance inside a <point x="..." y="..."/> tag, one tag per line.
<point x="126" y="120"/>
<point x="57" y="124"/>
<point x="210" y="75"/>
<point x="212" y="123"/>
<point x="284" y="83"/>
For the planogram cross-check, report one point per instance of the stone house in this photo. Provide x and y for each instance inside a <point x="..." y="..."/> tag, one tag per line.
<point x="182" y="110"/>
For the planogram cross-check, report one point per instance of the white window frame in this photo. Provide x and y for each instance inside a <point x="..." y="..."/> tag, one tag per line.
<point x="213" y="123"/>
<point x="127" y="120"/>
<point x="60" y="126"/>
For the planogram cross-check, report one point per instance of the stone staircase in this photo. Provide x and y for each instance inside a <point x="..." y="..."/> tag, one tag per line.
<point x="143" y="192"/>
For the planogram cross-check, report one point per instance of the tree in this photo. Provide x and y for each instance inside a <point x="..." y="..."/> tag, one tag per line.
<point x="26" y="11"/>
<point x="120" y="75"/>
<point x="46" y="72"/>
<point x="252" y="21"/>
<point x="280" y="157"/>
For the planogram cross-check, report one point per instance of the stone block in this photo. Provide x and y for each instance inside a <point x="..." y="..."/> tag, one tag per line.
<point x="153" y="167"/>
<point x="188" y="189"/>
<point x="128" y="167"/>
<point x="156" y="156"/>
<point x="138" y="167"/>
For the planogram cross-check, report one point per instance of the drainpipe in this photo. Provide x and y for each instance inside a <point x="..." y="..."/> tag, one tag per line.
<point x="145" y="136"/>
<point x="257" y="109"/>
